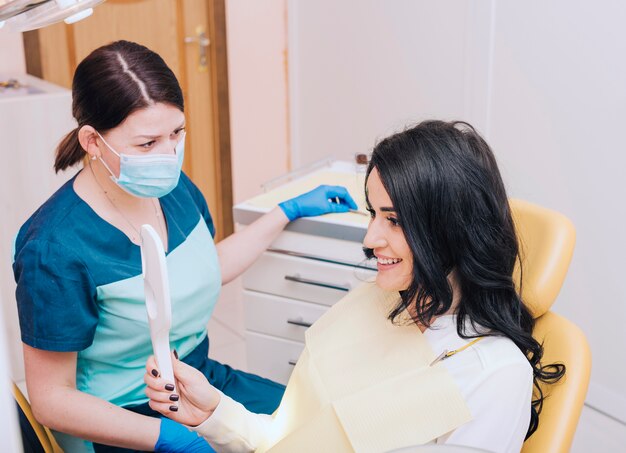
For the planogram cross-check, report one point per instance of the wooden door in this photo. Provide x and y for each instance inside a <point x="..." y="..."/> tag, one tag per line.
<point x="180" y="31"/>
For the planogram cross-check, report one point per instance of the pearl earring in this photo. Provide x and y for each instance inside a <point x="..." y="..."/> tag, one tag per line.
<point x="93" y="157"/>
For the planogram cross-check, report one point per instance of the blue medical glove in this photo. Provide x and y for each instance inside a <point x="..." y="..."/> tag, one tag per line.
<point x="321" y="200"/>
<point x="175" y="438"/>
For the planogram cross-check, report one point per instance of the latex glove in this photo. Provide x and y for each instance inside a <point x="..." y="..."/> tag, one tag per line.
<point x="321" y="200"/>
<point x="174" y="438"/>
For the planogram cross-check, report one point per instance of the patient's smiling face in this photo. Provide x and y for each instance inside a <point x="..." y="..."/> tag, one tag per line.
<point x="386" y="238"/>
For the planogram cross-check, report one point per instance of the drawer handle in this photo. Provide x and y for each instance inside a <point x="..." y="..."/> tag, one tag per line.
<point x="292" y="362"/>
<point x="360" y="265"/>
<point x="299" y="322"/>
<point x="306" y="281"/>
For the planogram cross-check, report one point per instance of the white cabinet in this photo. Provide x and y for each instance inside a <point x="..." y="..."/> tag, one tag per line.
<point x="279" y="316"/>
<point x="301" y="278"/>
<point x="283" y="295"/>
<point x="272" y="357"/>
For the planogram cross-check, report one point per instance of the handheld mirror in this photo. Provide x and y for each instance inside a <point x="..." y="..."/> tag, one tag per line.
<point x="158" y="304"/>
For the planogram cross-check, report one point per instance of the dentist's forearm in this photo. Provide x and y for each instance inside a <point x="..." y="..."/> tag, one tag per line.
<point x="56" y="403"/>
<point x="238" y="251"/>
<point x="79" y="414"/>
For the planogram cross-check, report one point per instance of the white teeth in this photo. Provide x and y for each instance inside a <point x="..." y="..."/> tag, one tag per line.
<point x="389" y="260"/>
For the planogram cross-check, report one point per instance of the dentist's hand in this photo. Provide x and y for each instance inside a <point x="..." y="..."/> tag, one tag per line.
<point x="196" y="399"/>
<point x="321" y="200"/>
<point x="176" y="438"/>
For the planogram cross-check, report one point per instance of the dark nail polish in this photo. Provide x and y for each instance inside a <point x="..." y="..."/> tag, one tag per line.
<point x="175" y="354"/>
<point x="173" y="397"/>
<point x="174" y="408"/>
<point x="154" y="372"/>
<point x="169" y="387"/>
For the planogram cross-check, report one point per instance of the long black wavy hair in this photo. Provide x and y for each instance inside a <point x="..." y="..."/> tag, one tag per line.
<point x="452" y="206"/>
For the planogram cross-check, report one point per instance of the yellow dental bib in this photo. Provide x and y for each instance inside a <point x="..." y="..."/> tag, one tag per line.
<point x="364" y="385"/>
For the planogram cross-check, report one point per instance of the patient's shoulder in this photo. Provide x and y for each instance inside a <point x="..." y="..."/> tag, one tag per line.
<point x="488" y="355"/>
<point x="498" y="352"/>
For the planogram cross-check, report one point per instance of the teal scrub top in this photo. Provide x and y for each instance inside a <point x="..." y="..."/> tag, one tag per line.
<point x="79" y="288"/>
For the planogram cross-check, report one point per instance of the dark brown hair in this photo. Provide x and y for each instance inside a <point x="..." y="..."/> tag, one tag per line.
<point x="112" y="82"/>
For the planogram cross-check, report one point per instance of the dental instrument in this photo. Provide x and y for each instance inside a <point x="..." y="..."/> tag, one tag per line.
<point x="354" y="211"/>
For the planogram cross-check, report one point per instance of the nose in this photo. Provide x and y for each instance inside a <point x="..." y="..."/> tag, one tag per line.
<point x="374" y="238"/>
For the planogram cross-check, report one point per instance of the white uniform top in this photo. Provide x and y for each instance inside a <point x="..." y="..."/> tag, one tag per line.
<point x="493" y="376"/>
<point x="496" y="381"/>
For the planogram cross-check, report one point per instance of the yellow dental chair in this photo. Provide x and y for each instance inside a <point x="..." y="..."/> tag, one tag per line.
<point x="546" y="246"/>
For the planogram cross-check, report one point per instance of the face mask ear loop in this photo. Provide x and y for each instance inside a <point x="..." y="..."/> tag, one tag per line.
<point x="102" y="160"/>
<point x="108" y="146"/>
<point x="113" y="177"/>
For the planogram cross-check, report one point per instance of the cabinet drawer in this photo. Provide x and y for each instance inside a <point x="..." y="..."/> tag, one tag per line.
<point x="303" y="279"/>
<point x="278" y="316"/>
<point x="271" y="357"/>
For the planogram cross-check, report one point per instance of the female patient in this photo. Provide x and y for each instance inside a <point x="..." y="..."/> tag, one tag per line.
<point x="373" y="376"/>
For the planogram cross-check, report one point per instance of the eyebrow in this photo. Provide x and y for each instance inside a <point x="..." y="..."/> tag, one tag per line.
<point x="152" y="137"/>
<point x="391" y="209"/>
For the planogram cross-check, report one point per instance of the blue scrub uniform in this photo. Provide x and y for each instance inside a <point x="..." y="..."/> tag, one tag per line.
<point x="79" y="288"/>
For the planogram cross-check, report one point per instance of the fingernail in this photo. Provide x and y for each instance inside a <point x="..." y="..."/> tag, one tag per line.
<point x="154" y="372"/>
<point x="173" y="397"/>
<point x="169" y="387"/>
<point x="174" y="408"/>
<point x="175" y="354"/>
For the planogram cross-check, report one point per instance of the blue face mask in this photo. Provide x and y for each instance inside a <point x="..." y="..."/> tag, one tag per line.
<point x="148" y="176"/>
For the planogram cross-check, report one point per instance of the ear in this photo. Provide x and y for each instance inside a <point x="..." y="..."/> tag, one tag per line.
<point x="88" y="139"/>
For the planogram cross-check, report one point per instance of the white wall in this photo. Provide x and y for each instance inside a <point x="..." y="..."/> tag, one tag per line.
<point x="544" y="81"/>
<point x="363" y="69"/>
<point x="9" y="426"/>
<point x="557" y="112"/>
<point x="11" y="61"/>
<point x="11" y="52"/>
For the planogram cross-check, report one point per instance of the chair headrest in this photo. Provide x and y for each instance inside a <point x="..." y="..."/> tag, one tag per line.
<point x="546" y="239"/>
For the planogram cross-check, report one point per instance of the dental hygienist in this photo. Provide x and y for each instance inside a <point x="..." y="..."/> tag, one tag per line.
<point x="77" y="262"/>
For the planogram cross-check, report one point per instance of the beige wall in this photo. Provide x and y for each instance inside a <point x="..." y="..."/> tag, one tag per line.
<point x="257" y="71"/>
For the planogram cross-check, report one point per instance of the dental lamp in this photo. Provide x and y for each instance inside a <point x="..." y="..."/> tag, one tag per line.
<point x="25" y="15"/>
